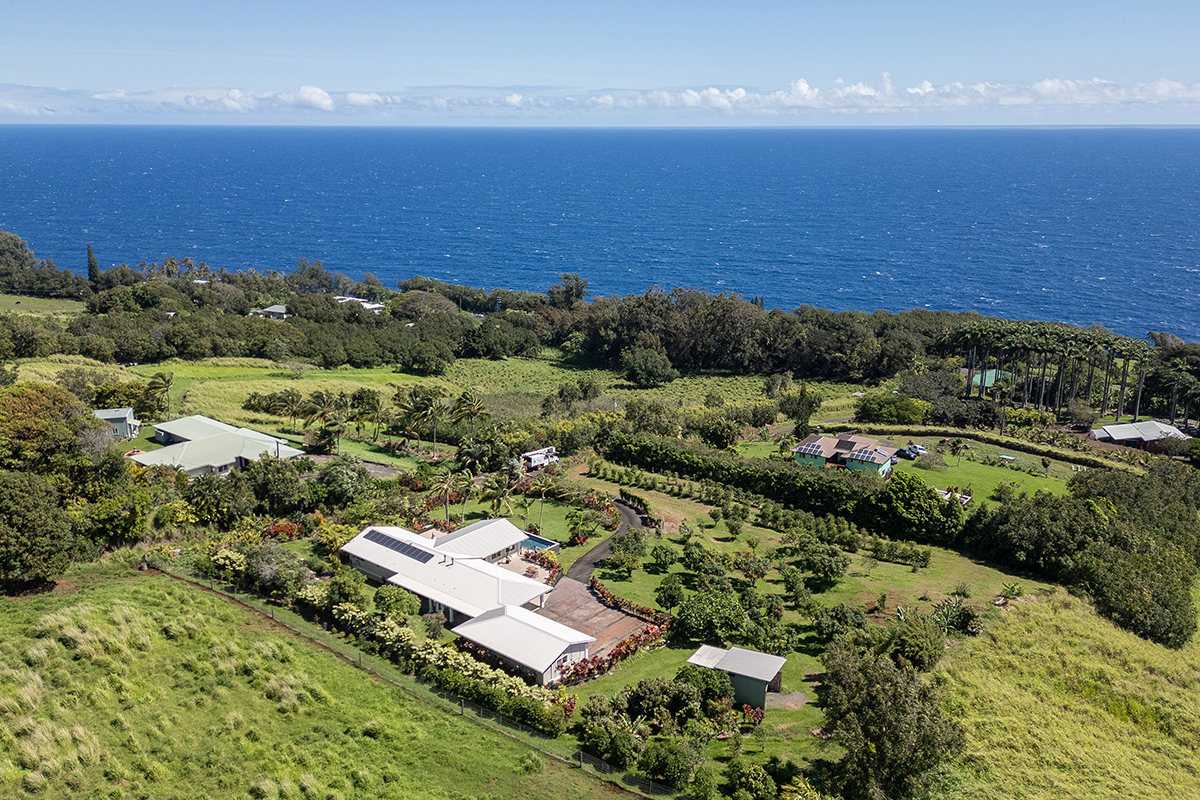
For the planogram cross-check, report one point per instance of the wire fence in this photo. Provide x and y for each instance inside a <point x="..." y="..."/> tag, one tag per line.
<point x="384" y="670"/>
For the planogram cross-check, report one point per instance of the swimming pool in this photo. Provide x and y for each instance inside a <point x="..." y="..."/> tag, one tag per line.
<point x="533" y="542"/>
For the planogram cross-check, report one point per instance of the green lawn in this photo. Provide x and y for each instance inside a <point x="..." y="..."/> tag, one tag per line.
<point x="39" y="306"/>
<point x="135" y="686"/>
<point x="983" y="478"/>
<point x="143" y="441"/>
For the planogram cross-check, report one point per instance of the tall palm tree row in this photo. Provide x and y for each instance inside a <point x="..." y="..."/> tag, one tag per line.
<point x="1058" y="363"/>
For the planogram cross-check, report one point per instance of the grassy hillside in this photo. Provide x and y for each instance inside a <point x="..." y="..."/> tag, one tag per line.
<point x="1060" y="704"/>
<point x="144" y="687"/>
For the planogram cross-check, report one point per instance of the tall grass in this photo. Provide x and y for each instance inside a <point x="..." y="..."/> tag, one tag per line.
<point x="148" y="688"/>
<point x="1057" y="702"/>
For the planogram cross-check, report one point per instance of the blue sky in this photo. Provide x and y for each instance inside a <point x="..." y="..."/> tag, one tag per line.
<point x="856" y="62"/>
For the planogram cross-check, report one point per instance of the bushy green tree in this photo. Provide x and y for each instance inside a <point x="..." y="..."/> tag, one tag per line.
<point x="890" y="722"/>
<point x="36" y="539"/>
<point x="394" y="600"/>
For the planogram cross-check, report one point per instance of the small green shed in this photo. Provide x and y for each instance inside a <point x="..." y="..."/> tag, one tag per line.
<point x="752" y="673"/>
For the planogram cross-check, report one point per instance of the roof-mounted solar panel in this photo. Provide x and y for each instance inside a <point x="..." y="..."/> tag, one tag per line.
<point x="404" y="548"/>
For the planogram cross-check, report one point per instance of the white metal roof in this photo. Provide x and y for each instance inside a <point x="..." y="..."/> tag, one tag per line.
<point x="1147" y="431"/>
<point x="739" y="661"/>
<point x="707" y="656"/>
<point x="195" y="427"/>
<point x="467" y="585"/>
<point x="522" y="636"/>
<point x="481" y="539"/>
<point x="215" y="451"/>
<point x="114" y="413"/>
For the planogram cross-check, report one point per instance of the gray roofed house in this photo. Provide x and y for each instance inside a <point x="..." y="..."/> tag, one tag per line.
<point x="186" y="429"/>
<point x="521" y="637"/>
<point x="271" y="312"/>
<point x="202" y="446"/>
<point x="1148" y="434"/>
<point x="752" y="673"/>
<point x="121" y="422"/>
<point x="461" y="586"/>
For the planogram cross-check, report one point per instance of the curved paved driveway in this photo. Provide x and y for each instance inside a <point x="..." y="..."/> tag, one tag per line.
<point x="582" y="569"/>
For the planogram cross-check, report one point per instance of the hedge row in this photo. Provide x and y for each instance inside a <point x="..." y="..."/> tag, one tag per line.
<point x="901" y="508"/>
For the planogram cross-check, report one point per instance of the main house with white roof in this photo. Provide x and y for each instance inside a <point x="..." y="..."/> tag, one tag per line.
<point x="462" y="575"/>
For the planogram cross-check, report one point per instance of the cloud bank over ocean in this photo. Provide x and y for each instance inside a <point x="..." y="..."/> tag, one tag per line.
<point x="1053" y="100"/>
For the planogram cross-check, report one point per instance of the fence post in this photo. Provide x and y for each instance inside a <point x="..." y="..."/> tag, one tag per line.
<point x="581" y="759"/>
<point x="360" y="658"/>
<point x="462" y="707"/>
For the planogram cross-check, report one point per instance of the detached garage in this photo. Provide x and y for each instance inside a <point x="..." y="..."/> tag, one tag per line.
<point x="752" y="673"/>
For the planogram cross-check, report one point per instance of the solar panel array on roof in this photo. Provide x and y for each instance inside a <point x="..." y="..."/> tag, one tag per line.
<point x="811" y="449"/>
<point x="865" y="454"/>
<point x="403" y="548"/>
<point x="844" y="444"/>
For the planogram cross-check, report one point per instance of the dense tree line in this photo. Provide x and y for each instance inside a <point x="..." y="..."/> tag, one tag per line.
<point x="178" y="308"/>
<point x="1131" y="542"/>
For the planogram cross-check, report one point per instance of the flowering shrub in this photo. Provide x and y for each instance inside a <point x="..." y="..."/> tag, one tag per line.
<point x="546" y="560"/>
<point x="582" y="670"/>
<point x="283" y="530"/>
<point x="659" y="618"/>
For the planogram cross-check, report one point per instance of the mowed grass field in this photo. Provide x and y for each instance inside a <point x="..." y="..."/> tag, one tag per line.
<point x="127" y="686"/>
<point x="39" y="306"/>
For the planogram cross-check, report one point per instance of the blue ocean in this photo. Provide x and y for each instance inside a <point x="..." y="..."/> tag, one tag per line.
<point x="1087" y="226"/>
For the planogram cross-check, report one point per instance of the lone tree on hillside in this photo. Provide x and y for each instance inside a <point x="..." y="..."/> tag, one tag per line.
<point x="890" y="721"/>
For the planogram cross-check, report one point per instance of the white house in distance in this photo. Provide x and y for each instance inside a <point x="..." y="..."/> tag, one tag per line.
<point x="271" y="312"/>
<point x="198" y="446"/>
<point x="1146" y="435"/>
<point x="120" y="421"/>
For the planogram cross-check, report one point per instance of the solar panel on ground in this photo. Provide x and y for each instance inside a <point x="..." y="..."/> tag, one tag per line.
<point x="404" y="548"/>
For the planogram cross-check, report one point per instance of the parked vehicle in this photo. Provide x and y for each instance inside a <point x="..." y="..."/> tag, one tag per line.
<point x="919" y="449"/>
<point x="906" y="454"/>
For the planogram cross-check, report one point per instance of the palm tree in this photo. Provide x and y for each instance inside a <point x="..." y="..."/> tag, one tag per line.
<point x="499" y="494"/>
<point x="465" y="486"/>
<point x="472" y="454"/>
<point x="444" y="484"/>
<point x="1143" y="363"/>
<point x="368" y="409"/>
<point x="542" y="484"/>
<point x="470" y="406"/>
<point x="319" y="406"/>
<point x="160" y="388"/>
<point x="435" y="412"/>
<point x="288" y="403"/>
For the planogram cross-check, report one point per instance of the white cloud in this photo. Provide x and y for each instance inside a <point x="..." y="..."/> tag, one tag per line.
<point x="365" y="99"/>
<point x="799" y="99"/>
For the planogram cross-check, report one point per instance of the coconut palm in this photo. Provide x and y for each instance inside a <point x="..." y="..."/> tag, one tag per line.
<point x="469" y="406"/>
<point x="542" y="484"/>
<point x="465" y="486"/>
<point x="160" y="389"/>
<point x="288" y="403"/>
<point x="444" y="484"/>
<point x="499" y="494"/>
